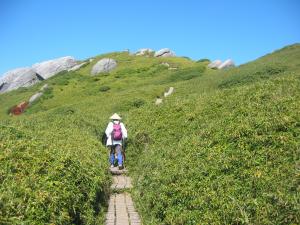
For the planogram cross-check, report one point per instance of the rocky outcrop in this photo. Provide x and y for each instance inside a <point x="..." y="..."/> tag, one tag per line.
<point x="22" y="77"/>
<point x="44" y="87"/>
<point x="49" y="68"/>
<point x="226" y="64"/>
<point x="25" y="77"/>
<point x="144" y="51"/>
<point x="35" y="97"/>
<point x="165" y="52"/>
<point x="168" y="66"/>
<point x="169" y="92"/>
<point x="218" y="64"/>
<point x="77" y="67"/>
<point x="165" y="64"/>
<point x="3" y="87"/>
<point x="215" y="64"/>
<point x="104" y="65"/>
<point x="158" y="101"/>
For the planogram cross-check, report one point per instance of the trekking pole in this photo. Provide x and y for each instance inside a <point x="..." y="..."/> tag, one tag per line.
<point x="123" y="146"/>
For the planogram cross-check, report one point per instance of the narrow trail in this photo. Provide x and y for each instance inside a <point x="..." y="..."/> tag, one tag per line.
<point x="121" y="210"/>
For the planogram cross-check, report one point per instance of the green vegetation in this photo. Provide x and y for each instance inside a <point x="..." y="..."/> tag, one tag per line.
<point x="51" y="176"/>
<point x="248" y="77"/>
<point x="104" y="88"/>
<point x="229" y="159"/>
<point x="203" y="60"/>
<point x="223" y="149"/>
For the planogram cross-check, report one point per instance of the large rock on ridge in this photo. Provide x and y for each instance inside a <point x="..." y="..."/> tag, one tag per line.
<point x="21" y="77"/>
<point x="165" y="52"/>
<point x="35" y="97"/>
<point x="103" y="65"/>
<point x="49" y="68"/>
<point x="218" y="64"/>
<point x="226" y="64"/>
<point x="77" y="67"/>
<point x="144" y="51"/>
<point x="215" y="64"/>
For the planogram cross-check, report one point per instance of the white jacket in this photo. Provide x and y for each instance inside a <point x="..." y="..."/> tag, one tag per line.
<point x="108" y="132"/>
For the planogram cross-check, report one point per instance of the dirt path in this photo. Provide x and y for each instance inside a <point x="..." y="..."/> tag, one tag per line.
<point x="121" y="210"/>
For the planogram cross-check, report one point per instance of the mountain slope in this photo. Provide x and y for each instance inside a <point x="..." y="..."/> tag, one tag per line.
<point x="53" y="167"/>
<point x="222" y="149"/>
<point x="225" y="157"/>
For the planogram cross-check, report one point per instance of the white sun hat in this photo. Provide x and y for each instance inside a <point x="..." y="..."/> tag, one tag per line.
<point x="115" y="116"/>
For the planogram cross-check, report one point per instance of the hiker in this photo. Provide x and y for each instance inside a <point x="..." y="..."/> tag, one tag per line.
<point x="116" y="134"/>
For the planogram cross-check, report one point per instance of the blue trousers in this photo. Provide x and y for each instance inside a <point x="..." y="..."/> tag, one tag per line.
<point x="116" y="149"/>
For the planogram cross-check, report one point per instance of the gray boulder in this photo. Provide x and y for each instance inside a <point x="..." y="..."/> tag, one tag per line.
<point x="4" y="87"/>
<point x="103" y="65"/>
<point x="144" y="51"/>
<point x="77" y="67"/>
<point x="226" y="64"/>
<point x="158" y="101"/>
<point x="35" y="97"/>
<point x="165" y="52"/>
<point x="169" y="92"/>
<point x="165" y="64"/>
<point x="21" y="77"/>
<point x="44" y="87"/>
<point x="49" y="68"/>
<point x="215" y="64"/>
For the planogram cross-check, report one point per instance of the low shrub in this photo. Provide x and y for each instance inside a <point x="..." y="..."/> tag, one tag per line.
<point x="63" y="78"/>
<point x="186" y="74"/>
<point x="47" y="179"/>
<point x="137" y="103"/>
<point x="104" y="88"/>
<point x="203" y="60"/>
<point x="186" y="57"/>
<point x="47" y="94"/>
<point x="262" y="73"/>
<point x="64" y="110"/>
<point x="104" y="74"/>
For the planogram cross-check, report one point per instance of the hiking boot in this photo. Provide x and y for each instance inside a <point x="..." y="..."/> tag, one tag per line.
<point x="121" y="167"/>
<point x="112" y="166"/>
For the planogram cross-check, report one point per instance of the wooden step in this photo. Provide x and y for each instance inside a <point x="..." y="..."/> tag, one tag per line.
<point x="116" y="171"/>
<point x="121" y="211"/>
<point x="121" y="182"/>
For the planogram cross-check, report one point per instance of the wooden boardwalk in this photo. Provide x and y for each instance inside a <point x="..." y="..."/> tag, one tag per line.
<point x="121" y="182"/>
<point x="121" y="210"/>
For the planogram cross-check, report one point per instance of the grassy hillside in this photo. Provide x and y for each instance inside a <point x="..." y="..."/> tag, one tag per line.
<point x="228" y="156"/>
<point x="224" y="148"/>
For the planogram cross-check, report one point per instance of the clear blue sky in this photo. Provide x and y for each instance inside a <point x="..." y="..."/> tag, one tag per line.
<point x="35" y="30"/>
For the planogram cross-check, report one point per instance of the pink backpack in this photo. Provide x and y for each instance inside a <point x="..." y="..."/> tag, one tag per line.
<point x="117" y="132"/>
